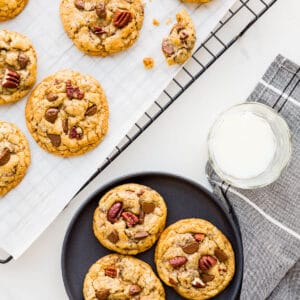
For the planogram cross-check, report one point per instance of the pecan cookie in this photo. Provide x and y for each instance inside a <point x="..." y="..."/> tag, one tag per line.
<point x="120" y="277"/>
<point x="10" y="8"/>
<point x="130" y="218"/>
<point x="102" y="27"/>
<point x="195" y="258"/>
<point x="17" y="66"/>
<point x="14" y="156"/>
<point x="178" y="46"/>
<point x="67" y="113"/>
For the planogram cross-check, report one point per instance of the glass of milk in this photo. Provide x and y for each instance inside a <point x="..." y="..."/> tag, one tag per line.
<point x="249" y="145"/>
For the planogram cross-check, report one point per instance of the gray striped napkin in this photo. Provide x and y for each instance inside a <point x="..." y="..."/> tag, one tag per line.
<point x="270" y="217"/>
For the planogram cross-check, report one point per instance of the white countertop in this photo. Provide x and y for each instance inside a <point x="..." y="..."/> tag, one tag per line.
<point x="175" y="143"/>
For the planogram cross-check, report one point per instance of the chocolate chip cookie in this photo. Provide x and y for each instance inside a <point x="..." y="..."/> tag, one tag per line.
<point x="122" y="277"/>
<point x="130" y="218"/>
<point x="102" y="27"/>
<point x="17" y="66"/>
<point x="14" y="156"/>
<point x="178" y="46"/>
<point x="10" y="8"/>
<point x="195" y="258"/>
<point x="67" y="113"/>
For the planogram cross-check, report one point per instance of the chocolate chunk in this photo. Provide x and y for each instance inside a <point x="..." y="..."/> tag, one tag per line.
<point x="113" y="236"/>
<point x="65" y="126"/>
<point x="91" y="110"/>
<point x="141" y="216"/>
<point x="167" y="48"/>
<point x="52" y="97"/>
<point x="23" y="60"/>
<point x="100" y="10"/>
<point x="102" y="294"/>
<point x="207" y="277"/>
<point x="51" y="114"/>
<point x="141" y="235"/>
<point x="191" y="248"/>
<point x="148" y="207"/>
<point x="177" y="261"/>
<point x="55" y="139"/>
<point x="4" y="156"/>
<point x="221" y="255"/>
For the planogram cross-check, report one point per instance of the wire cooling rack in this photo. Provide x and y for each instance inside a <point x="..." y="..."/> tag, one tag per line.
<point x="236" y="22"/>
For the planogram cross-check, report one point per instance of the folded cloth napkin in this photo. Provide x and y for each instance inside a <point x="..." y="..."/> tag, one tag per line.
<point x="269" y="217"/>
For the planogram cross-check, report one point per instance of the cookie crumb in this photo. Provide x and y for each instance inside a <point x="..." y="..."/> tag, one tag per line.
<point x="148" y="63"/>
<point x="155" y="22"/>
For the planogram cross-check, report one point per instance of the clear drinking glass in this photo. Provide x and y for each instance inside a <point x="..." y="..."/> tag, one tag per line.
<point x="283" y="144"/>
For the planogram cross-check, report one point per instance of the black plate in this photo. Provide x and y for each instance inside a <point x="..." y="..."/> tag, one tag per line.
<point x="184" y="198"/>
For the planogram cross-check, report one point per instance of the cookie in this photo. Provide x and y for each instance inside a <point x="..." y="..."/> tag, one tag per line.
<point x="102" y="27"/>
<point x="14" y="156"/>
<point x="17" y="66"/>
<point x="178" y="46"/>
<point x="130" y="218"/>
<point x="195" y="258"/>
<point x="122" y="277"/>
<point x="67" y="113"/>
<point x="11" y="8"/>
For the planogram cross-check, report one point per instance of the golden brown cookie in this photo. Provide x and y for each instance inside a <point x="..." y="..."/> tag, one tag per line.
<point x="102" y="27"/>
<point x="118" y="277"/>
<point x="179" y="45"/>
<point x="67" y="113"/>
<point x="10" y="8"/>
<point x="130" y="218"/>
<point x="17" y="66"/>
<point x="195" y="258"/>
<point x="14" y="156"/>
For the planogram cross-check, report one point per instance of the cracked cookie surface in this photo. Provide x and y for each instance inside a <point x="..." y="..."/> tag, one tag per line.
<point x="116" y="277"/>
<point x="14" y="156"/>
<point x="102" y="27"/>
<point x="178" y="46"/>
<point x="17" y="66"/>
<point x="11" y="8"/>
<point x="129" y="218"/>
<point x="195" y="258"/>
<point x="67" y="113"/>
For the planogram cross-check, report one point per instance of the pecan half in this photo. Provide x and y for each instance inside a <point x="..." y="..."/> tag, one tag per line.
<point x="11" y="79"/>
<point x="4" y="156"/>
<point x="191" y="248"/>
<point x="207" y="277"/>
<point x="51" y="114"/>
<point x="111" y="271"/>
<point x="23" y="60"/>
<point x="55" y="139"/>
<point x="113" y="236"/>
<point x="100" y="10"/>
<point x="79" y="4"/>
<point x="167" y="48"/>
<point x="130" y="218"/>
<point x="76" y="133"/>
<point x="122" y="18"/>
<point x="206" y="262"/>
<point x="102" y="294"/>
<point x="198" y="283"/>
<point x="91" y="110"/>
<point x="73" y="92"/>
<point x="98" y="30"/>
<point x="114" y="212"/>
<point x="134" y="289"/>
<point x="221" y="255"/>
<point x="199" y="237"/>
<point x="177" y="261"/>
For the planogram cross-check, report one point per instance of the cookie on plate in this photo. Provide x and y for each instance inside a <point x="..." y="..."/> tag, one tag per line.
<point x="14" y="156"/>
<point x="67" y="113"/>
<point x="119" y="277"/>
<point x="102" y="27"/>
<point x="17" y="66"/>
<point x="10" y="8"/>
<point x="195" y="258"/>
<point x="178" y="46"/>
<point x="130" y="218"/>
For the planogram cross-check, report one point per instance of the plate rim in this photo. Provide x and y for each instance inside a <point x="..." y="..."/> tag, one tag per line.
<point x="229" y="214"/>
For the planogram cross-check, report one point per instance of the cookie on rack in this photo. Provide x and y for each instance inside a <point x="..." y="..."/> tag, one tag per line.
<point x="195" y="258"/>
<point x="102" y="27"/>
<point x="67" y="113"/>
<point x="17" y="66"/>
<point x="179" y="45"/>
<point x="14" y="156"/>
<point x="11" y="8"/>
<point x="119" y="277"/>
<point x="130" y="218"/>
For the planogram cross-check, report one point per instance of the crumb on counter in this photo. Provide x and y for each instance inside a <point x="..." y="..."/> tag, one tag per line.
<point x="155" y="22"/>
<point x="148" y="62"/>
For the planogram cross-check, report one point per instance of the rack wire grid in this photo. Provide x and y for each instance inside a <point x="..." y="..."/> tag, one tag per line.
<point x="235" y="23"/>
<point x="240" y="17"/>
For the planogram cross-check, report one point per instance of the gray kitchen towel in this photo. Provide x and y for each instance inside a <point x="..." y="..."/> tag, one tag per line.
<point x="269" y="217"/>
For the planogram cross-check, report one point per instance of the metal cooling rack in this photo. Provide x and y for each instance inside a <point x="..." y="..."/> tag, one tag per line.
<point x="236" y="22"/>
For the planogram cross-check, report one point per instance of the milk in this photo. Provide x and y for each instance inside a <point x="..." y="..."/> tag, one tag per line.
<point x="243" y="145"/>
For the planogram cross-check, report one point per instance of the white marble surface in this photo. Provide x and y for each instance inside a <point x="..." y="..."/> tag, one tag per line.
<point x="175" y="143"/>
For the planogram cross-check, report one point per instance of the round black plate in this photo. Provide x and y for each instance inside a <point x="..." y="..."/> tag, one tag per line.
<point x="184" y="198"/>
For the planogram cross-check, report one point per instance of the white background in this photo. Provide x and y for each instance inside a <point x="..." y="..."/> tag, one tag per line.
<point x="175" y="143"/>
